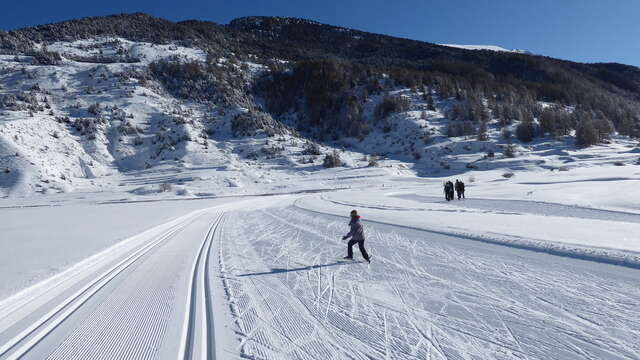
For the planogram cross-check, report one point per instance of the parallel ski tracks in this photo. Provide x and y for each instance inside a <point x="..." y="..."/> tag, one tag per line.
<point x="24" y="341"/>
<point x="197" y="340"/>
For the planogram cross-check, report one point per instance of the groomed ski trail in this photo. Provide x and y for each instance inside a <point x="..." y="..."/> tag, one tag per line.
<point x="154" y="303"/>
<point x="425" y="296"/>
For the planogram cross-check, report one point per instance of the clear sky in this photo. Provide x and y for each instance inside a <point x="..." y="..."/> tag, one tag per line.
<point x="579" y="30"/>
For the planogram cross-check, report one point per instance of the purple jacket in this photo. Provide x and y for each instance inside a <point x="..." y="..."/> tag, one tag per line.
<point x="356" y="233"/>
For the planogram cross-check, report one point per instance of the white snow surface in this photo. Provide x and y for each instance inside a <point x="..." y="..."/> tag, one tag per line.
<point x="486" y="47"/>
<point x="486" y="277"/>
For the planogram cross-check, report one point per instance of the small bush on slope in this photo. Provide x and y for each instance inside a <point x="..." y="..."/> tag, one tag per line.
<point x="332" y="160"/>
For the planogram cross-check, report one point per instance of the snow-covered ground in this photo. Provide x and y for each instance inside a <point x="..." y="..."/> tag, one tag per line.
<point x="546" y="273"/>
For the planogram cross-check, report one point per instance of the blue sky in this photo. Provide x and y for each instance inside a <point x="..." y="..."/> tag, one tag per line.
<point x="579" y="30"/>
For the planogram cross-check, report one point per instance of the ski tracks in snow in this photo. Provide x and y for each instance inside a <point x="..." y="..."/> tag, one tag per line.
<point x="276" y="280"/>
<point x="197" y="328"/>
<point x="133" y="309"/>
<point x="425" y="296"/>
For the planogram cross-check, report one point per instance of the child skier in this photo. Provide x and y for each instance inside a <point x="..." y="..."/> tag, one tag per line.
<point x="357" y="237"/>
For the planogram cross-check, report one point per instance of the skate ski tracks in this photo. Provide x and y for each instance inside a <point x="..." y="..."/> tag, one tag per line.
<point x="425" y="296"/>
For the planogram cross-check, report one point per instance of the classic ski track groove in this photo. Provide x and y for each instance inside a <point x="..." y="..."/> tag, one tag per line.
<point x="199" y="304"/>
<point x="38" y="330"/>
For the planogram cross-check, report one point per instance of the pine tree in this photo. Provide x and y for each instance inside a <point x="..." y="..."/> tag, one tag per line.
<point x="430" y="103"/>
<point x="586" y="134"/>
<point x="482" y="131"/>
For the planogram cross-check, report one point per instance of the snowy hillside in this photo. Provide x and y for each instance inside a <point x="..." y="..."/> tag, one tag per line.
<point x="81" y="125"/>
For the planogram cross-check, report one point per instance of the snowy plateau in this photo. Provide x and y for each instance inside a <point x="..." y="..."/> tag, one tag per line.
<point x="138" y="224"/>
<point x="487" y="47"/>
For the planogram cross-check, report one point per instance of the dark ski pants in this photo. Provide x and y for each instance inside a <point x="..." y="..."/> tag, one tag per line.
<point x="360" y="245"/>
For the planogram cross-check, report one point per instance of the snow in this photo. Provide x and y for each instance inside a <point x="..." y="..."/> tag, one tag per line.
<point x="447" y="278"/>
<point x="36" y="253"/>
<point x="486" y="47"/>
<point x="425" y="295"/>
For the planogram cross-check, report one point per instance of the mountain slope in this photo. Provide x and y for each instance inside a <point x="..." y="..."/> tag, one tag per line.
<point x="85" y="102"/>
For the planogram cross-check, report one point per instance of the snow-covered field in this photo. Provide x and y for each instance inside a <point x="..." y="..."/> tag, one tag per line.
<point x="523" y="268"/>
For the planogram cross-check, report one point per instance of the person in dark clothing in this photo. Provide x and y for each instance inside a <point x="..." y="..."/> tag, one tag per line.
<point x="460" y="189"/>
<point x="451" y="191"/>
<point x="448" y="190"/>
<point x="356" y="234"/>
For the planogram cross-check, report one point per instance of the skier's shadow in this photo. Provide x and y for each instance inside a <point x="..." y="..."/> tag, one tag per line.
<point x="310" y="267"/>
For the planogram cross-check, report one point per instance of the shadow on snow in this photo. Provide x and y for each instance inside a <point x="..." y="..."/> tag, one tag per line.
<point x="310" y="267"/>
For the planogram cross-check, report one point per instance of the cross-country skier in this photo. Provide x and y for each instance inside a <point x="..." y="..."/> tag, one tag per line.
<point x="357" y="237"/>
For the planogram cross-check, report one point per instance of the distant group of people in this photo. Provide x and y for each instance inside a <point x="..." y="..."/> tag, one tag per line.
<point x="449" y="189"/>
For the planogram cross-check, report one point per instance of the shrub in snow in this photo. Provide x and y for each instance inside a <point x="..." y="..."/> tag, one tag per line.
<point x="510" y="151"/>
<point x="94" y="109"/>
<point x="272" y="151"/>
<point x="586" y="134"/>
<point x="45" y="57"/>
<point x="251" y="122"/>
<point x="591" y="132"/>
<point x="126" y="128"/>
<point x="417" y="155"/>
<point x="311" y="148"/>
<point x="332" y="160"/>
<point x="88" y="126"/>
<point x="525" y="131"/>
<point x="8" y="101"/>
<point x="165" y="187"/>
